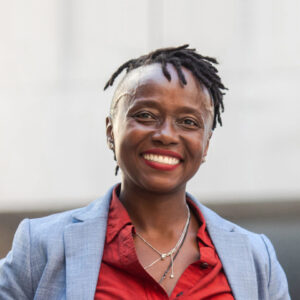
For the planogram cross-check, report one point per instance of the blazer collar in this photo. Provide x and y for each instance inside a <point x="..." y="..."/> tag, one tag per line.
<point x="234" y="251"/>
<point x="84" y="240"/>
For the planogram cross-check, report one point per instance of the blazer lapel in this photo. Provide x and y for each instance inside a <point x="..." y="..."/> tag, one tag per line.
<point x="234" y="252"/>
<point x="84" y="242"/>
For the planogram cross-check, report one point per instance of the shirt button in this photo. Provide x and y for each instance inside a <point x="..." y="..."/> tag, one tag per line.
<point x="204" y="265"/>
<point x="179" y="294"/>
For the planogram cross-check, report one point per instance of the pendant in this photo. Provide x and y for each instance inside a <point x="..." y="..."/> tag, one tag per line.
<point x="163" y="256"/>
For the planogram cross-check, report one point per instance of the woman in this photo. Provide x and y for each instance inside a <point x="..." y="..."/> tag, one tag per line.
<point x="147" y="238"/>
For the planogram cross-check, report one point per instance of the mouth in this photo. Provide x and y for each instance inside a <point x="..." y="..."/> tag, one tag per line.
<point x="162" y="159"/>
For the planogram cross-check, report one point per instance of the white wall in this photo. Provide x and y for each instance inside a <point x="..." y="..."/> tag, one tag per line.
<point x="55" y="57"/>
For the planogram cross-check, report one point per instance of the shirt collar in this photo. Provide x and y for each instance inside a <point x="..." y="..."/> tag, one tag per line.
<point x="118" y="216"/>
<point x="202" y="231"/>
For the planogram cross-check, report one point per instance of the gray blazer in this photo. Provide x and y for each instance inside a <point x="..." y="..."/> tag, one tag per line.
<point x="58" y="257"/>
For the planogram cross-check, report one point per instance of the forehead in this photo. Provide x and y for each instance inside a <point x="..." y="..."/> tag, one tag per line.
<point x="149" y="80"/>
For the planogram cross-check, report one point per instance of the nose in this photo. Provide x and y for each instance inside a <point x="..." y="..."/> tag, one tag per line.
<point x="166" y="133"/>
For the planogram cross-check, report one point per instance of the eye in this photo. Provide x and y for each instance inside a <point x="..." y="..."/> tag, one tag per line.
<point x="189" y="123"/>
<point x="144" y="116"/>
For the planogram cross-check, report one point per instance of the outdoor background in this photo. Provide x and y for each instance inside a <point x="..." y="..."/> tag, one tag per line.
<point x="55" y="57"/>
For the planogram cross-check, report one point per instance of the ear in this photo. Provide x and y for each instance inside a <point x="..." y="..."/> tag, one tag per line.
<point x="109" y="133"/>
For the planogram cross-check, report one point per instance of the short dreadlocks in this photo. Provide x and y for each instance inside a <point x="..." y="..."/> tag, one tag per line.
<point x="200" y="66"/>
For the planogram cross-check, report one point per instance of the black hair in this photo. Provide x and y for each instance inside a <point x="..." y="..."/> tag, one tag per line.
<point x="201" y="67"/>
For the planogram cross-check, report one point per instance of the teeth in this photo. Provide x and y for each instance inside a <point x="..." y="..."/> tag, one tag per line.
<point x="162" y="159"/>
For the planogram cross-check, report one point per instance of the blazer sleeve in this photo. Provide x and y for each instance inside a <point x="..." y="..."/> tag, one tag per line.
<point x="278" y="285"/>
<point x="15" y="268"/>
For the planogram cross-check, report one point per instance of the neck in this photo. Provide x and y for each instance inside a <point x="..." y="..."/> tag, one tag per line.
<point x="154" y="212"/>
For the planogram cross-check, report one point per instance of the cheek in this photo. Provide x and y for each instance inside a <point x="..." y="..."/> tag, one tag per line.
<point x="196" y="149"/>
<point x="198" y="155"/>
<point x="196" y="145"/>
<point x="129" y="139"/>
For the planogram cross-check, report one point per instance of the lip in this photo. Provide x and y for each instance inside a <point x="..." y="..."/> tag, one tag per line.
<point x="159" y="166"/>
<point x="163" y="152"/>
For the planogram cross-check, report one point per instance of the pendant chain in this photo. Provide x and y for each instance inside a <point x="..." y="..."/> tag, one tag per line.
<point x="173" y="250"/>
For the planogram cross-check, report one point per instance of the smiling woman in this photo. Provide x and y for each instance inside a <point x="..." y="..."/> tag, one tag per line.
<point x="147" y="237"/>
<point x="160" y="117"/>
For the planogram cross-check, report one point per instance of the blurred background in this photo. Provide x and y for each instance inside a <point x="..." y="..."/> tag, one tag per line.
<point x="55" y="57"/>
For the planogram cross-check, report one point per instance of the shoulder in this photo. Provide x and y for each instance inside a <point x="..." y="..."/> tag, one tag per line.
<point x="258" y="244"/>
<point x="39" y="244"/>
<point x="259" y="254"/>
<point x="216" y="222"/>
<point x="54" y="225"/>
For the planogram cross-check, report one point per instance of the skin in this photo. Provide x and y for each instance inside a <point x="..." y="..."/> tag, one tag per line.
<point x="149" y="112"/>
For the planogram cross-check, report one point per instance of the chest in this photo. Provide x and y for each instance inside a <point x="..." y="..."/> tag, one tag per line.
<point x="167" y="270"/>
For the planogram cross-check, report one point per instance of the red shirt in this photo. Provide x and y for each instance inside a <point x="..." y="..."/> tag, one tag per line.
<point x="122" y="276"/>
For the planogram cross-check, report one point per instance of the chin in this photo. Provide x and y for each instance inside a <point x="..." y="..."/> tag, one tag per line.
<point x="162" y="185"/>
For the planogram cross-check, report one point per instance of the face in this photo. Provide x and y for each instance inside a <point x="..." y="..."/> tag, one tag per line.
<point x="160" y="129"/>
